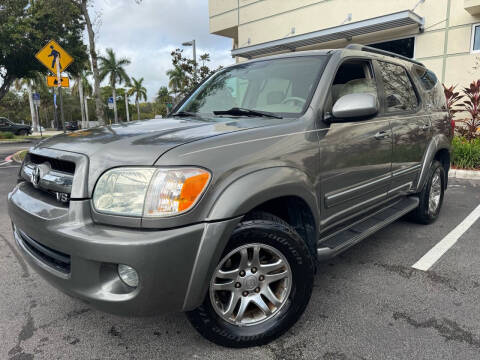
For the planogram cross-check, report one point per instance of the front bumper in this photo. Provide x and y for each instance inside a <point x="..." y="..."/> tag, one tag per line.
<point x="173" y="266"/>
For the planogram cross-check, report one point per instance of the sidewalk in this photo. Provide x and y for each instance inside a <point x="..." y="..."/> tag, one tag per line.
<point x="47" y="133"/>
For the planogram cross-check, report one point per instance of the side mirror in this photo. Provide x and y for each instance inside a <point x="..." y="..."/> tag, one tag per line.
<point x="354" y="106"/>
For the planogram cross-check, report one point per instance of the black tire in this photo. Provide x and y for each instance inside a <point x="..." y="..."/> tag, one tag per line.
<point x="22" y="132"/>
<point x="267" y="229"/>
<point x="422" y="214"/>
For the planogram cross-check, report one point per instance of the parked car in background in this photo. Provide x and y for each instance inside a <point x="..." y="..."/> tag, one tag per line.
<point x="17" y="129"/>
<point x="223" y="209"/>
<point x="71" y="125"/>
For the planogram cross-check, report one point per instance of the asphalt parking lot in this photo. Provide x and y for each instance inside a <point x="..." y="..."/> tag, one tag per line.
<point x="369" y="303"/>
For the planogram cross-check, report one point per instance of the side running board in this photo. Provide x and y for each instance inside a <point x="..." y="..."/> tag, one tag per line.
<point x="341" y="241"/>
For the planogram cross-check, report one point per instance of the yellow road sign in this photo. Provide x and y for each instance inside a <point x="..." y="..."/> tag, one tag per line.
<point x="49" y="54"/>
<point x="53" y="82"/>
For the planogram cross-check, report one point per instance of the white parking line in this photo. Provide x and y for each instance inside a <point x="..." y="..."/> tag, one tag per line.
<point x="447" y="242"/>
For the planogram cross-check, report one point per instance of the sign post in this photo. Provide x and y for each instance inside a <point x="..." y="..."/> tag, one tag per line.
<point x="55" y="59"/>
<point x="59" y="82"/>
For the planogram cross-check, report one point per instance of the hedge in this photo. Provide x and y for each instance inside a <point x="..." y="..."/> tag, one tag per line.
<point x="466" y="154"/>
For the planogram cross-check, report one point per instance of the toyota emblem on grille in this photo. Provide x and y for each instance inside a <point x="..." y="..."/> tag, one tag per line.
<point x="36" y="176"/>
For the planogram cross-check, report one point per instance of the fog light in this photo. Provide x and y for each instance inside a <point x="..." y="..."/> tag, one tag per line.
<point x="128" y="275"/>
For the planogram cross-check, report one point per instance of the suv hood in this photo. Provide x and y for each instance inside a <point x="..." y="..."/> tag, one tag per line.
<point x="143" y="142"/>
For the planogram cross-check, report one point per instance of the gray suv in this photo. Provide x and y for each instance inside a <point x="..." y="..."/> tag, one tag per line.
<point x="224" y="209"/>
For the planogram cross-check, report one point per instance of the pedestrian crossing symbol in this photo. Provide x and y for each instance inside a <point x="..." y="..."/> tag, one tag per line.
<point x="49" y="55"/>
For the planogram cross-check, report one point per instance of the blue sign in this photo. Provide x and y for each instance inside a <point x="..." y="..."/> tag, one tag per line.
<point x="110" y="100"/>
<point x="36" y="96"/>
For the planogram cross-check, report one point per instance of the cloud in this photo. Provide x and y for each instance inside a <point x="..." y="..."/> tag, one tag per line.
<point x="146" y="33"/>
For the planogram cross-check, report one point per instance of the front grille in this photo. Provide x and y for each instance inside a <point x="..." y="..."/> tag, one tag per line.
<point x="56" y="164"/>
<point x="53" y="258"/>
<point x="50" y="175"/>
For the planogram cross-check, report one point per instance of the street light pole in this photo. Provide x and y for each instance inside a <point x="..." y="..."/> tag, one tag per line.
<point x="194" y="46"/>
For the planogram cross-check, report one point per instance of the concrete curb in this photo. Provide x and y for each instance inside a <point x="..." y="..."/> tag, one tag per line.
<point x="464" y="174"/>
<point x="16" y="142"/>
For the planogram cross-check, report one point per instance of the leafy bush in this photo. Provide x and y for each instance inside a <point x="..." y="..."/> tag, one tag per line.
<point x="6" y="135"/>
<point x="472" y="107"/>
<point x="452" y="97"/>
<point x="466" y="154"/>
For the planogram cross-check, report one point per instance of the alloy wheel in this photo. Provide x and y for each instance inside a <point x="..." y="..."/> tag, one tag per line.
<point x="435" y="192"/>
<point x="251" y="284"/>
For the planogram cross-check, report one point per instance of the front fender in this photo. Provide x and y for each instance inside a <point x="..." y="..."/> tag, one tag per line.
<point x="437" y="143"/>
<point x="238" y="198"/>
<point x="260" y="186"/>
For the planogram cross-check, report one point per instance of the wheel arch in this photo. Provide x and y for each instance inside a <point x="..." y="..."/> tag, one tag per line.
<point x="438" y="149"/>
<point x="259" y="190"/>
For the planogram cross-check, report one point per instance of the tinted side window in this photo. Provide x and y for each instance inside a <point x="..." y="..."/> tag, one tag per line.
<point x="399" y="92"/>
<point x="434" y="95"/>
<point x="427" y="78"/>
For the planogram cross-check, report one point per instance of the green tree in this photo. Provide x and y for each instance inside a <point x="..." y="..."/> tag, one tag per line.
<point x="139" y="91"/>
<point x="177" y="81"/>
<point x="25" y="27"/>
<point x="162" y="100"/>
<point x="31" y="84"/>
<point x="114" y="69"/>
<point x="181" y="78"/>
<point x="14" y="106"/>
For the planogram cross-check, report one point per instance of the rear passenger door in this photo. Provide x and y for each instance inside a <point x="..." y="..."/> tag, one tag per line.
<point x="410" y="124"/>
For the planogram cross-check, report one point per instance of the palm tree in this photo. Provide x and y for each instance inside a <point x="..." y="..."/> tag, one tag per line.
<point x="204" y="58"/>
<point x="162" y="94"/>
<point x="109" y="66"/>
<point x="163" y="100"/>
<point x="177" y="79"/>
<point x="37" y="81"/>
<point x="139" y="91"/>
<point x="83" y="88"/>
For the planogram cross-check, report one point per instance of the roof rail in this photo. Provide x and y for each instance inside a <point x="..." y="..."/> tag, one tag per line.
<point x="381" y="52"/>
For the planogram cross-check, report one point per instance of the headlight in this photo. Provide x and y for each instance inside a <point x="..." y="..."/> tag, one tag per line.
<point x="149" y="192"/>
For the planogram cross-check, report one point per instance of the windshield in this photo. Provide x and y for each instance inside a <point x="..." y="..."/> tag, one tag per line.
<point x="279" y="86"/>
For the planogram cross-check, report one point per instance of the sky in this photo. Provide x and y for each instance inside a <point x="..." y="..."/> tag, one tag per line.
<point x="146" y="33"/>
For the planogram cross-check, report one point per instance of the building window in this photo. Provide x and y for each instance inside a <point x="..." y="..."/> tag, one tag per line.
<point x="405" y="47"/>
<point x="475" y="47"/>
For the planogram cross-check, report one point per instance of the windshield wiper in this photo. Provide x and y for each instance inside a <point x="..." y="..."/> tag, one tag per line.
<point x="235" y="111"/>
<point x="184" y="113"/>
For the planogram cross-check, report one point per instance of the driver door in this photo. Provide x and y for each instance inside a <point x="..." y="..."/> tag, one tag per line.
<point x="355" y="154"/>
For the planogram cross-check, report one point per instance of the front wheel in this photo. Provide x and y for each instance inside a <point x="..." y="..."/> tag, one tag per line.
<point x="260" y="287"/>
<point x="431" y="196"/>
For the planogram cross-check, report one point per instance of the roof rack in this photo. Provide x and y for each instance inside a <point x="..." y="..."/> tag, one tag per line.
<point x="381" y="52"/>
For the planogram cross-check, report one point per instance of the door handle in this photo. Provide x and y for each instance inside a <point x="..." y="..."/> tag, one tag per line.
<point x="381" y="135"/>
<point x="425" y="127"/>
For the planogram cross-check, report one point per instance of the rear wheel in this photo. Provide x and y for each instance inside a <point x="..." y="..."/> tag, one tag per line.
<point x="260" y="287"/>
<point x="431" y="196"/>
